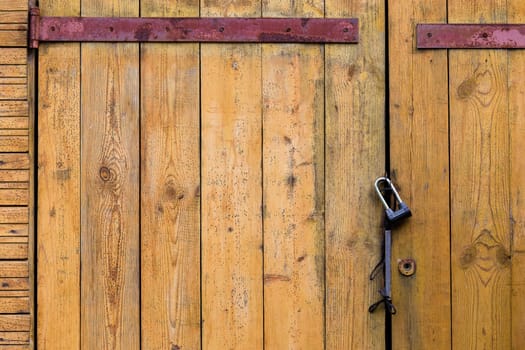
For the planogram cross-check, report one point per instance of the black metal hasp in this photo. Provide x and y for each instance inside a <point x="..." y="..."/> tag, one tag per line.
<point x="145" y="29"/>
<point x="470" y="36"/>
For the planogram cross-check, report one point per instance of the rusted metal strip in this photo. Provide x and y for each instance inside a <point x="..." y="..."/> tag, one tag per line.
<point x="249" y="30"/>
<point x="470" y="36"/>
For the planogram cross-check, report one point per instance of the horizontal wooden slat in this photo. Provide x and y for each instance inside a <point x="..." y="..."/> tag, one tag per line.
<point x="14" y="185"/>
<point x="13" y="108"/>
<point x="14" y="132"/>
<point x="16" y="347"/>
<point x="15" y="323"/>
<point x="14" y="197"/>
<point x="13" y="56"/>
<point x="14" y="305"/>
<point x="14" y="122"/>
<point x="13" y="27"/>
<point x="13" y="81"/>
<point x="13" y="38"/>
<point x="13" y="230"/>
<point x="12" y="5"/>
<point x="13" y="338"/>
<point x="20" y="283"/>
<point x="13" y="239"/>
<point x="14" y="269"/>
<point x="14" y="293"/>
<point x="10" y="251"/>
<point x="14" y="175"/>
<point x="13" y="70"/>
<point x="14" y="215"/>
<point x="13" y="17"/>
<point x="14" y="161"/>
<point x="12" y="92"/>
<point x="14" y="143"/>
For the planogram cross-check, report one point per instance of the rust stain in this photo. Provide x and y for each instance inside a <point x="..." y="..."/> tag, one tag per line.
<point x="143" y="32"/>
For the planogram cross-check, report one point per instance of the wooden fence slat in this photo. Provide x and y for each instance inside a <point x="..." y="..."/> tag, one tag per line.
<point x="13" y="16"/>
<point x="170" y="198"/>
<point x="293" y="195"/>
<point x="13" y="251"/>
<point x="14" y="269"/>
<point x="13" y="230"/>
<point x="13" y="38"/>
<point x="14" y="143"/>
<point x="14" y="338"/>
<point x="14" y="323"/>
<point x="14" y="215"/>
<point x="15" y="70"/>
<point x="232" y="305"/>
<point x="14" y="123"/>
<point x="14" y="161"/>
<point x="14" y="283"/>
<point x="13" y="81"/>
<point x="12" y="5"/>
<point x="480" y="188"/>
<point x="14" y="175"/>
<point x="110" y="163"/>
<point x="14" y="197"/>
<point x="355" y="114"/>
<point x="12" y="92"/>
<point x="14" y="305"/>
<point x="418" y="122"/>
<point x="13" y="56"/>
<point x="13" y="108"/>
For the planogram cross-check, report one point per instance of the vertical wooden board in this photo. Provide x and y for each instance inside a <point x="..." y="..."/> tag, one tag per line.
<point x="516" y="69"/>
<point x="420" y="169"/>
<point x="293" y="195"/>
<point x="232" y="290"/>
<point x="480" y="188"/>
<point x="58" y="215"/>
<point x="354" y="141"/>
<point x="110" y="188"/>
<point x="170" y="188"/>
<point x="231" y="190"/>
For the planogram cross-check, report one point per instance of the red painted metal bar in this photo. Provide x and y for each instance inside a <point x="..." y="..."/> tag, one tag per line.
<point x="248" y="30"/>
<point x="470" y="36"/>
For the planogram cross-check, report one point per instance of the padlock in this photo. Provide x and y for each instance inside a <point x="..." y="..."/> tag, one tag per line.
<point x="393" y="215"/>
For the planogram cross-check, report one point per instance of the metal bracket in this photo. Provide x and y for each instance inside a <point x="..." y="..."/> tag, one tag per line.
<point x="470" y="36"/>
<point x="240" y="30"/>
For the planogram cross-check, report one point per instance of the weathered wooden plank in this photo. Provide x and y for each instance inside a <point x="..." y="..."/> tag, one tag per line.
<point x="58" y="218"/>
<point x="13" y="81"/>
<point x="516" y="69"/>
<point x="110" y="179"/>
<point x="14" y="132"/>
<point x="170" y="201"/>
<point x="10" y="251"/>
<point x="14" y="143"/>
<point x="355" y="86"/>
<point x="14" y="293"/>
<point x="418" y="122"/>
<point x="12" y="92"/>
<point x="14" y="323"/>
<point x="14" y="185"/>
<point x="13" y="16"/>
<point x="13" y="38"/>
<point x="13" y="230"/>
<point x="293" y="197"/>
<point x="13" y="27"/>
<point x="14" y="123"/>
<point x="13" y="5"/>
<point x="480" y="188"/>
<point x="14" y="108"/>
<point x="13" y="70"/>
<point x="14" y="338"/>
<point x="232" y="289"/>
<point x="14" y="197"/>
<point x="13" y="269"/>
<point x="14" y="305"/>
<point x="14" y="284"/>
<point x="14" y="161"/>
<point x="13" y="215"/>
<point x="13" y="56"/>
<point x="14" y="175"/>
<point x="14" y="239"/>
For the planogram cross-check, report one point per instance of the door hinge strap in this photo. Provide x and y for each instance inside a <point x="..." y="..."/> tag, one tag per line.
<point x="143" y="29"/>
<point x="470" y="36"/>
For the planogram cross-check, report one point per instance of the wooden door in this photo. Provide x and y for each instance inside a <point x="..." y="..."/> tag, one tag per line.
<point x="211" y="196"/>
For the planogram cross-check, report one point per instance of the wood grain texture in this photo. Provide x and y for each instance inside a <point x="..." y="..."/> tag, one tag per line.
<point x="14" y="283"/>
<point x="58" y="247"/>
<point x="293" y="190"/>
<point x="14" y="269"/>
<point x="13" y="92"/>
<point x="13" y="38"/>
<point x="13" y="251"/>
<point x="170" y="187"/>
<point x="13" y="230"/>
<point x="12" y="5"/>
<point x="13" y="17"/>
<point x="17" y="70"/>
<point x="14" y="143"/>
<point x="110" y="188"/>
<point x="14" y="323"/>
<point x="13" y="108"/>
<point x="14" y="215"/>
<point x="14" y="338"/>
<point x="13" y="55"/>
<point x="11" y="161"/>
<point x="14" y="123"/>
<point x="14" y="176"/>
<point x="14" y="305"/>
<point x="418" y="123"/>
<point x="480" y="188"/>
<point x="355" y="89"/>
<point x="232" y="290"/>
